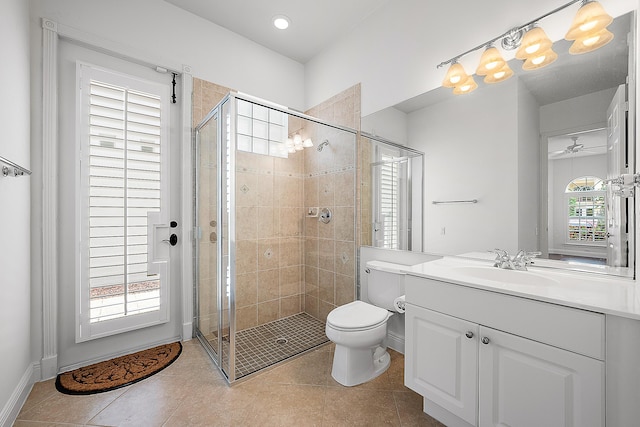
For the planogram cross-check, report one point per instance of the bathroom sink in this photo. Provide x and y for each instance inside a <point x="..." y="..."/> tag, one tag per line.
<point x="512" y="277"/>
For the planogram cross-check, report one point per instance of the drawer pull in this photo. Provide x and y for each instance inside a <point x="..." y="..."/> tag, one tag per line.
<point x="469" y="334"/>
<point x="485" y="340"/>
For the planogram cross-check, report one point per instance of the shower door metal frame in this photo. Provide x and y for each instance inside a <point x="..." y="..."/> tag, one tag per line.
<point x="231" y="146"/>
<point x="408" y="158"/>
<point x="197" y="232"/>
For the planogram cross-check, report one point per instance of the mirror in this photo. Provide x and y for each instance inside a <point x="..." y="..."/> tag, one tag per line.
<point x="516" y="148"/>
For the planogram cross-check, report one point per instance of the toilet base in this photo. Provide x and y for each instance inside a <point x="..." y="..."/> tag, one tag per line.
<point x="353" y="366"/>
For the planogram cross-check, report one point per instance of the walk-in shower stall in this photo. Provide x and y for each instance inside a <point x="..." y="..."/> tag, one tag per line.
<point x="275" y="203"/>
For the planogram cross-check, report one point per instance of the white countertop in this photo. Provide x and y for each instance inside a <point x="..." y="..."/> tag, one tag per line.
<point x="596" y="292"/>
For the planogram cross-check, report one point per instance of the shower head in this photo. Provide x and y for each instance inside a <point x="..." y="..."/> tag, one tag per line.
<point x="321" y="146"/>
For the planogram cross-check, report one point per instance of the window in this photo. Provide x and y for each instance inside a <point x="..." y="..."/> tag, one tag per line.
<point x="586" y="197"/>
<point x="122" y="167"/>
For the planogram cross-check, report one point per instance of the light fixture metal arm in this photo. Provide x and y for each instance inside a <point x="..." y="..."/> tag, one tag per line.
<point x="519" y="28"/>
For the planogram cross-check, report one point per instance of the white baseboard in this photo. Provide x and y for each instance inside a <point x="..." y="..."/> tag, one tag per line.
<point x="187" y="331"/>
<point x="395" y="342"/>
<point x="118" y="354"/>
<point x="49" y="367"/>
<point x="18" y="397"/>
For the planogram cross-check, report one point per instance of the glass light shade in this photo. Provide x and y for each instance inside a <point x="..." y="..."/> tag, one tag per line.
<point x="291" y="149"/>
<point x="590" y="19"/>
<point x="307" y="143"/>
<point x="455" y="75"/>
<point x="489" y="61"/>
<point x="297" y="139"/>
<point x="539" y="61"/>
<point x="289" y="142"/>
<point x="533" y="42"/>
<point x="468" y="86"/>
<point x="591" y="43"/>
<point x="499" y="76"/>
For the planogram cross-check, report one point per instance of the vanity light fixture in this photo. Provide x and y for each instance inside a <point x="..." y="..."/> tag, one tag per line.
<point x="588" y="30"/>
<point x="455" y="75"/>
<point x="467" y="86"/>
<point x="490" y="61"/>
<point x="500" y="75"/>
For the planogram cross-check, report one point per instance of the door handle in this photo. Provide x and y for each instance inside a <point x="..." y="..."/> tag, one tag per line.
<point x="172" y="240"/>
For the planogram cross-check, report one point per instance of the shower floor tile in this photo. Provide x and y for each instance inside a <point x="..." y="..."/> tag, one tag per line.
<point x="268" y="344"/>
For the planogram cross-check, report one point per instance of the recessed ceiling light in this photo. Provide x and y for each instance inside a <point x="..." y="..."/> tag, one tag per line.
<point x="281" y="22"/>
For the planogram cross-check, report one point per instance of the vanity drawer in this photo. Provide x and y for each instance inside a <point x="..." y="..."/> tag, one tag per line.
<point x="572" y="329"/>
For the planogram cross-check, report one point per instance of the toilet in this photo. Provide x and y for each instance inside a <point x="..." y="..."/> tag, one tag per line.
<point x="359" y="329"/>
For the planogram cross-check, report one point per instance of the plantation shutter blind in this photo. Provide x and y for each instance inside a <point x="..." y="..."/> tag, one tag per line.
<point x="389" y="201"/>
<point x="123" y="182"/>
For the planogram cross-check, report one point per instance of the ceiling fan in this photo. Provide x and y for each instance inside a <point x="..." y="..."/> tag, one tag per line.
<point x="575" y="147"/>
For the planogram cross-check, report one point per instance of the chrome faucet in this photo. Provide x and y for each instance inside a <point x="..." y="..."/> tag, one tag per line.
<point x="502" y="259"/>
<point x="524" y="258"/>
<point x="518" y="262"/>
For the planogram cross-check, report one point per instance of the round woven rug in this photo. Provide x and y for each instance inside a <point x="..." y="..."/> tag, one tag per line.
<point x="118" y="372"/>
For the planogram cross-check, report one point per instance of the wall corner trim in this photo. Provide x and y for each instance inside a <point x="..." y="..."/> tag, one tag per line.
<point x="49" y="197"/>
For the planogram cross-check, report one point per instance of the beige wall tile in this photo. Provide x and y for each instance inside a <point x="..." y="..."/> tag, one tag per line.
<point x="326" y="286"/>
<point x="311" y="281"/>
<point x="345" y="190"/>
<point x="269" y="252"/>
<point x="345" y="289"/>
<point x="291" y="280"/>
<point x="290" y="305"/>
<point x="311" y="252"/>
<point x="246" y="289"/>
<point x="268" y="285"/>
<point x="246" y="223"/>
<point x="268" y="311"/>
<point x="326" y="254"/>
<point x="344" y="223"/>
<point x="246" y="317"/>
<point x="345" y="258"/>
<point x="246" y="256"/>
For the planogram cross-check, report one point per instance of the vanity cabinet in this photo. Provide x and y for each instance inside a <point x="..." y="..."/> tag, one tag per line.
<point x="482" y="358"/>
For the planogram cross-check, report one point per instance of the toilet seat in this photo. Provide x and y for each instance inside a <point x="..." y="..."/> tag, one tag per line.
<point x="357" y="316"/>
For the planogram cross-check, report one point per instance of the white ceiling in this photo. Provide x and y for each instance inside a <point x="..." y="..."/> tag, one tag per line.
<point x="315" y="24"/>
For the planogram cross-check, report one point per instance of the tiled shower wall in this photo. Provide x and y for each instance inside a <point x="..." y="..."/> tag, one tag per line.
<point x="329" y="181"/>
<point x="287" y="262"/>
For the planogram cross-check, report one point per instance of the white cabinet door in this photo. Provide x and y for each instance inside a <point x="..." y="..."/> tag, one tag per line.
<point x="441" y="360"/>
<point x="525" y="383"/>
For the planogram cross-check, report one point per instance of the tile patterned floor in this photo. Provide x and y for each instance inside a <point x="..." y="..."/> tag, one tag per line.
<point x="191" y="392"/>
<point x="257" y="348"/>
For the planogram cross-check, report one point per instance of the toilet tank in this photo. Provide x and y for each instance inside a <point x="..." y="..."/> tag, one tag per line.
<point x="385" y="283"/>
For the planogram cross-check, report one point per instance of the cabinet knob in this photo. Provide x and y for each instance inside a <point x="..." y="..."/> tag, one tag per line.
<point x="469" y="334"/>
<point x="485" y="340"/>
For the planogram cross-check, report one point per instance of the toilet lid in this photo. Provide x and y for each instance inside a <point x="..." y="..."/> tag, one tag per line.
<point x="357" y="315"/>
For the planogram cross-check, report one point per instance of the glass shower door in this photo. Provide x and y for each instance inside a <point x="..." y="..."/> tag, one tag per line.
<point x="206" y="221"/>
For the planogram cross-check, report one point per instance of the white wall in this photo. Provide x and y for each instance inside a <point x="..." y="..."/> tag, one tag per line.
<point x="14" y="214"/>
<point x="471" y="152"/>
<point x="389" y="123"/>
<point x="394" y="53"/>
<point x="583" y="112"/>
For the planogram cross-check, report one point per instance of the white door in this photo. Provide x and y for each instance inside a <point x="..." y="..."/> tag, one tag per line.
<point x="441" y="360"/>
<point x="528" y="384"/>
<point x="616" y="209"/>
<point x="119" y="168"/>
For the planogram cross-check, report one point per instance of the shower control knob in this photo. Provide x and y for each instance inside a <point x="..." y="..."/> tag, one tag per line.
<point x="485" y="340"/>
<point x="469" y="334"/>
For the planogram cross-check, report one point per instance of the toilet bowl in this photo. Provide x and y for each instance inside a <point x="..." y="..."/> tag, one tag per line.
<point x="359" y="329"/>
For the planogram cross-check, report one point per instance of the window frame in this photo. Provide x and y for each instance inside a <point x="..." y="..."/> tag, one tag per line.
<point x="569" y="194"/>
